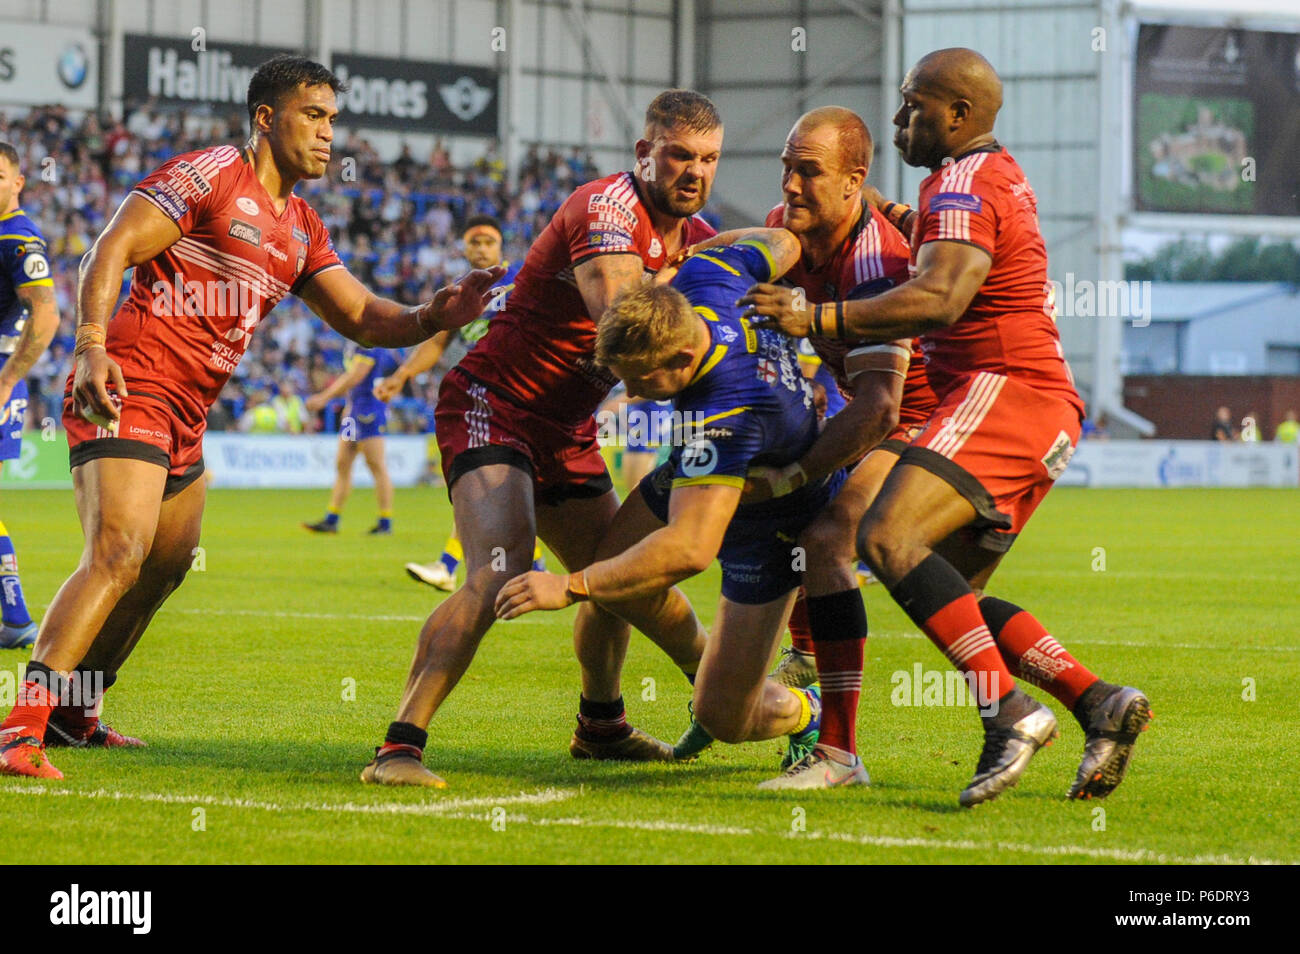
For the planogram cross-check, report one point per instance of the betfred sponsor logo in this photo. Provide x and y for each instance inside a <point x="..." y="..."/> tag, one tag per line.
<point x="275" y="252"/>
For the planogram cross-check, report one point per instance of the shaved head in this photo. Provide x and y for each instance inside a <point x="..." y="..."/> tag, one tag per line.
<point x="854" y="141"/>
<point x="958" y="73"/>
<point x="951" y="99"/>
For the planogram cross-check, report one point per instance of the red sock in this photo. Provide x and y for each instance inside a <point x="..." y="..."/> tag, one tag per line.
<point x="31" y="712"/>
<point x="940" y="601"/>
<point x="800" y="629"/>
<point x="839" y="626"/>
<point x="1032" y="654"/>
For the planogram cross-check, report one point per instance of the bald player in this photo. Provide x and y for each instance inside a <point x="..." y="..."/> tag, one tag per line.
<point x="1007" y="422"/>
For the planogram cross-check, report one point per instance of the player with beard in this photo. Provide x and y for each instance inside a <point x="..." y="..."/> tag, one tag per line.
<point x="518" y="439"/>
<point x="1007" y="422"/>
<point x="216" y="237"/>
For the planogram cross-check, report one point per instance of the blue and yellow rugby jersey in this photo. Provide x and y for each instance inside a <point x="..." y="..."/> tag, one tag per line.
<point x="24" y="263"/>
<point x="749" y="403"/>
<point x="499" y="294"/>
<point x="383" y="362"/>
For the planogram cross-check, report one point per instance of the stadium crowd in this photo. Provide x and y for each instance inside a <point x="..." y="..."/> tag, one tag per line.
<point x="395" y="225"/>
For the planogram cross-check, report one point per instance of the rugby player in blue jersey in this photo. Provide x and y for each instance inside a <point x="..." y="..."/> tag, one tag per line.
<point x="29" y="318"/>
<point x="743" y="402"/>
<point x="365" y="421"/>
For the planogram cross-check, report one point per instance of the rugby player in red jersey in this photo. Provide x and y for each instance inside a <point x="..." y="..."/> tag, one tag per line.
<point x="1007" y="422"/>
<point x="216" y="238"/>
<point x="518" y="438"/>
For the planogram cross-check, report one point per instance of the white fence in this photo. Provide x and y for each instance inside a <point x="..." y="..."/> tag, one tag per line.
<point x="1182" y="464"/>
<point x="279" y="460"/>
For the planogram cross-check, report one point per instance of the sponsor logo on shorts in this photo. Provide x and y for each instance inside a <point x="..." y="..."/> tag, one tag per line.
<point x="1058" y="458"/>
<point x="247" y="206"/>
<point x="148" y="435"/>
<point x="245" y="232"/>
<point x="956" y="201"/>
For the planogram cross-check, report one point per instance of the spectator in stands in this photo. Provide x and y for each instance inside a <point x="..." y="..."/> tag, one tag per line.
<point x="260" y="416"/>
<point x="291" y="415"/>
<point x="1222" y="429"/>
<point x="1095" y="430"/>
<point x="1288" y="432"/>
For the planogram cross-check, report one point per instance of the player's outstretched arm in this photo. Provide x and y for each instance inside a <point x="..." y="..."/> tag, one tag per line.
<point x="345" y="382"/>
<point x="697" y="521"/>
<point x="781" y="245"/>
<point x="41" y="327"/>
<point x="355" y="312"/>
<point x="947" y="278"/>
<point x="138" y="232"/>
<point x="422" y="359"/>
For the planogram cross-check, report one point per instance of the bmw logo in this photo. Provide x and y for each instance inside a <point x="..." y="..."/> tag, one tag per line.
<point x="74" y="64"/>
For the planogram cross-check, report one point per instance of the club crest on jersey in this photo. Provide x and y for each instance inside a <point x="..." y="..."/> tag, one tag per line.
<point x="247" y="206"/>
<point x="656" y="248"/>
<point x="245" y="233"/>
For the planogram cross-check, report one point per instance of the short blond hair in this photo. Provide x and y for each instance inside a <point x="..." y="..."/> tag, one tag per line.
<point x="644" y="325"/>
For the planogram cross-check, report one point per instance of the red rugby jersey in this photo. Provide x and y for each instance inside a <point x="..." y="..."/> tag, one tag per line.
<point x="983" y="199"/>
<point x="539" y="352"/>
<point x="874" y="258"/>
<point x="192" y="309"/>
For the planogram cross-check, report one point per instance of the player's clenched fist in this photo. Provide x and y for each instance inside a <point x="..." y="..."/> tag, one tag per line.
<point x="454" y="306"/>
<point x="90" y="395"/>
<point x="533" y="591"/>
<point x="778" y="306"/>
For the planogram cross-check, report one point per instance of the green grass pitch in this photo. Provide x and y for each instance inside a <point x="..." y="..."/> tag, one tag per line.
<point x="266" y="681"/>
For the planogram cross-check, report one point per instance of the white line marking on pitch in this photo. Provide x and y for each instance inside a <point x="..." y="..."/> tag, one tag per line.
<point x="454" y="809"/>
<point x="542" y="797"/>
<point x="369" y="617"/>
<point x="885" y="841"/>
<point x="293" y="614"/>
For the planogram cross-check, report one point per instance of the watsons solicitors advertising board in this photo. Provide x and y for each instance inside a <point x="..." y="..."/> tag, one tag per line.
<point x="402" y="95"/>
